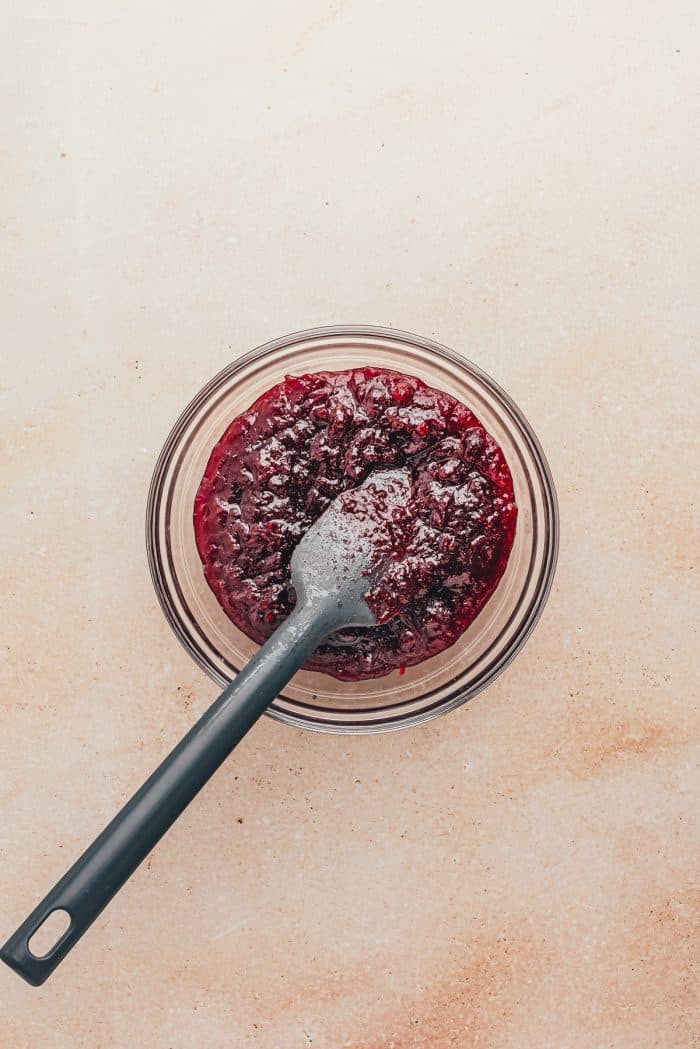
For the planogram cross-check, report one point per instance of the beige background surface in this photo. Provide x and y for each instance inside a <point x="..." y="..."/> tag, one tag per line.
<point x="182" y="182"/>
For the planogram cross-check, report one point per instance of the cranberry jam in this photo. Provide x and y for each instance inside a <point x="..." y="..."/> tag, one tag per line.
<point x="308" y="439"/>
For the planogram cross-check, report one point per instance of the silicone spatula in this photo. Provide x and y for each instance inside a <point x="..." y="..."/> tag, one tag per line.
<point x="333" y="567"/>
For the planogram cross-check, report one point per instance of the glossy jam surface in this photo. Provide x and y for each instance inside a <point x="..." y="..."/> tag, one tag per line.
<point x="313" y="437"/>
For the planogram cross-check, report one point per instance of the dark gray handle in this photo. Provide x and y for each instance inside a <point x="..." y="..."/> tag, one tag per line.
<point x="113" y="857"/>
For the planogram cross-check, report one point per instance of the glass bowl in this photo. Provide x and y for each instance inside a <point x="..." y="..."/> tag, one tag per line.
<point x="312" y="700"/>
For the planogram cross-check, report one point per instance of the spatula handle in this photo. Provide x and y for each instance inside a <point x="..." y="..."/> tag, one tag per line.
<point x="112" y="858"/>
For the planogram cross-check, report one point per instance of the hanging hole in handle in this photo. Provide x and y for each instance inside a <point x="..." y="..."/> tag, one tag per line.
<point x="49" y="934"/>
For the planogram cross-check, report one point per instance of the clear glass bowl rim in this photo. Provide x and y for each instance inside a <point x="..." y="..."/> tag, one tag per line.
<point x="459" y="360"/>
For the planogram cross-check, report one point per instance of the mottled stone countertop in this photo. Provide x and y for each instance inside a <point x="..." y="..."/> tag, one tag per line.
<point x="519" y="181"/>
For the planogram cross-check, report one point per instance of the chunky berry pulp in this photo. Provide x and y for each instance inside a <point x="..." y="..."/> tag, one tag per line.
<point x="310" y="438"/>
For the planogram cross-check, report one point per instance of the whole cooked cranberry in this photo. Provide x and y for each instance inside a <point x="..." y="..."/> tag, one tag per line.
<point x="280" y="464"/>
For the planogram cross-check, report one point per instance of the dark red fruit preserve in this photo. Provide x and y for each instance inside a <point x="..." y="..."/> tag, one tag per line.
<point x="281" y="463"/>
